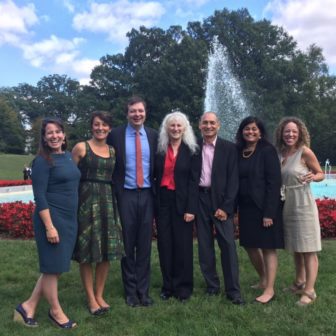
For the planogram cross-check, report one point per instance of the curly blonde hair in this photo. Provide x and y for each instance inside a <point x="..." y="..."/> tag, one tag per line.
<point x="304" y="137"/>
<point x="188" y="135"/>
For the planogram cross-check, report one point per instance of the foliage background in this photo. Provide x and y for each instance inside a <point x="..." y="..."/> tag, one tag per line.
<point x="168" y="68"/>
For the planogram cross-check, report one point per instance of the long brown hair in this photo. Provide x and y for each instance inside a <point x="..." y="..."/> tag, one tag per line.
<point x="304" y="137"/>
<point x="44" y="150"/>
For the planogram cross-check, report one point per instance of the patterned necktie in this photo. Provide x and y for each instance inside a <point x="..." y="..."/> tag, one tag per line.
<point x="139" y="170"/>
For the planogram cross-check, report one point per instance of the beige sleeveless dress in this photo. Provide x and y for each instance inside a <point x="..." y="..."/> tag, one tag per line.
<point x="300" y="215"/>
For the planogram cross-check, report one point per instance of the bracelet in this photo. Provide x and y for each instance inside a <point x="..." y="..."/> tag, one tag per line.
<point x="50" y="228"/>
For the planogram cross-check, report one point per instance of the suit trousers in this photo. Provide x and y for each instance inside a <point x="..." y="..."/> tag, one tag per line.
<point x="175" y="246"/>
<point x="136" y="212"/>
<point x="224" y="233"/>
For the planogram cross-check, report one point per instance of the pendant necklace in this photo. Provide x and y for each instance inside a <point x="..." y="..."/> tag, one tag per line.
<point x="247" y="153"/>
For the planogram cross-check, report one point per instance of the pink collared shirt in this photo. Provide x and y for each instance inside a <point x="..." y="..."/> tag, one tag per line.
<point x="208" y="151"/>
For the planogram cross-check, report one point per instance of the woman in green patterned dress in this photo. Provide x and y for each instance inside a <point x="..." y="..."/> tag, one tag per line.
<point x="99" y="230"/>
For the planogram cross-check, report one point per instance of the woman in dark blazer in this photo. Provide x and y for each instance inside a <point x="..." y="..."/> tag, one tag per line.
<point x="259" y="207"/>
<point x="176" y="201"/>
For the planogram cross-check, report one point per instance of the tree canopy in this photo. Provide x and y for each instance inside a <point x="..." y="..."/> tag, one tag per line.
<point x="168" y="68"/>
<point x="12" y="137"/>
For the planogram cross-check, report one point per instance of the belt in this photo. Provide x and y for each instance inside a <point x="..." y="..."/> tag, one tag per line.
<point x="204" y="189"/>
<point x="137" y="189"/>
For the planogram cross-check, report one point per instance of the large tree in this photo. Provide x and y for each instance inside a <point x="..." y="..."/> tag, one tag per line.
<point x="165" y="67"/>
<point x="169" y="67"/>
<point x="60" y="97"/>
<point x="12" y="134"/>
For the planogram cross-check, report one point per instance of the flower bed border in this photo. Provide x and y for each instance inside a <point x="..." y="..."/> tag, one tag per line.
<point x="16" y="219"/>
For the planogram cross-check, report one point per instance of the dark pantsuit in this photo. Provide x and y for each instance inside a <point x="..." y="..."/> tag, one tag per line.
<point x="206" y="222"/>
<point x="175" y="245"/>
<point x="136" y="213"/>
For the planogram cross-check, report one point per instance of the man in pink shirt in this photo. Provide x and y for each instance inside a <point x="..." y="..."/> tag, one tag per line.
<point x="218" y="187"/>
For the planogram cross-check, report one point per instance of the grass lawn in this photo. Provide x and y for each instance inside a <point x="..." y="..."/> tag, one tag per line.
<point x="12" y="165"/>
<point x="200" y="316"/>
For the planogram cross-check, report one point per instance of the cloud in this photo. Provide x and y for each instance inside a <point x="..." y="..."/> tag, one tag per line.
<point x="308" y="21"/>
<point x="82" y="68"/>
<point x="117" y="18"/>
<point x="69" y="5"/>
<point x="196" y="3"/>
<point x="60" y="56"/>
<point x="48" y="51"/>
<point x="15" y="21"/>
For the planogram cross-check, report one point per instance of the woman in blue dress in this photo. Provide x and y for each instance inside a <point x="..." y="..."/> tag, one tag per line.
<point x="55" y="185"/>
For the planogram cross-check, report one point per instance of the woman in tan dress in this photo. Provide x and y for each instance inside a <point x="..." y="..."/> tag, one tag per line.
<point x="299" y="167"/>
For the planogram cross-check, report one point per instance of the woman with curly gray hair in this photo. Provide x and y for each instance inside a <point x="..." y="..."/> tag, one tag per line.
<point x="176" y="202"/>
<point x="299" y="167"/>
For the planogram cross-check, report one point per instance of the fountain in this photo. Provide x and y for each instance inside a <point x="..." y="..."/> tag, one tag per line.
<point x="223" y="92"/>
<point x="327" y="168"/>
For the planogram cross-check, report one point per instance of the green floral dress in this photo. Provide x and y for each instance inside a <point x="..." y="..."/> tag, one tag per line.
<point x="99" y="229"/>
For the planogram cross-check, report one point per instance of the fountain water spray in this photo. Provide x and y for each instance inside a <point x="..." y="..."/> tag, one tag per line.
<point x="223" y="92"/>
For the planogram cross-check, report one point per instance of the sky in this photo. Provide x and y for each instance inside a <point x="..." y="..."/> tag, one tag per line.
<point x="44" y="37"/>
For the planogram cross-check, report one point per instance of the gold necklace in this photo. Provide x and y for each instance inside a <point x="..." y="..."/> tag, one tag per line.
<point x="248" y="153"/>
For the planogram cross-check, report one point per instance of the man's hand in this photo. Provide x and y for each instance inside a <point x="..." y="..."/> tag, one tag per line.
<point x="221" y="215"/>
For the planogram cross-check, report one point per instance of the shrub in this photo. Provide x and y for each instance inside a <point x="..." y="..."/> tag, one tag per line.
<point x="16" y="219"/>
<point x="327" y="214"/>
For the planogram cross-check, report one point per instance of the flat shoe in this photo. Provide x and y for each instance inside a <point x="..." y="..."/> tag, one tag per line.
<point x="263" y="303"/>
<point x="295" y="288"/>
<point x="97" y="312"/>
<point x="312" y="296"/>
<point x="20" y="315"/>
<point x="67" y="325"/>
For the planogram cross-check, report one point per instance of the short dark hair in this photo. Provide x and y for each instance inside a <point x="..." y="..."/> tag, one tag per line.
<point x="134" y="100"/>
<point x="44" y="149"/>
<point x="240" y="141"/>
<point x="103" y="115"/>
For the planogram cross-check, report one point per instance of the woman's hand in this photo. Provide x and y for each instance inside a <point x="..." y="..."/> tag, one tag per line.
<point x="52" y="235"/>
<point x="188" y="217"/>
<point x="267" y="222"/>
<point x="307" y="178"/>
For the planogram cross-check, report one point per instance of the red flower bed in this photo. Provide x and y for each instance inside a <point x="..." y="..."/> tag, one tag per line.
<point x="16" y="219"/>
<point x="327" y="214"/>
<point x="11" y="183"/>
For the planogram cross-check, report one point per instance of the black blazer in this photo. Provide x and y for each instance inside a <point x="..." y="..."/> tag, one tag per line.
<point x="224" y="175"/>
<point x="116" y="139"/>
<point x="264" y="179"/>
<point x="185" y="177"/>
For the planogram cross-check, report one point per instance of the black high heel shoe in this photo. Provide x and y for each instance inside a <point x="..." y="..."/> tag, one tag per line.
<point x="20" y="315"/>
<point x="67" y="325"/>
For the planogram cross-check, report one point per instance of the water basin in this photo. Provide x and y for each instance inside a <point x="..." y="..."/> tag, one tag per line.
<point x="326" y="188"/>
